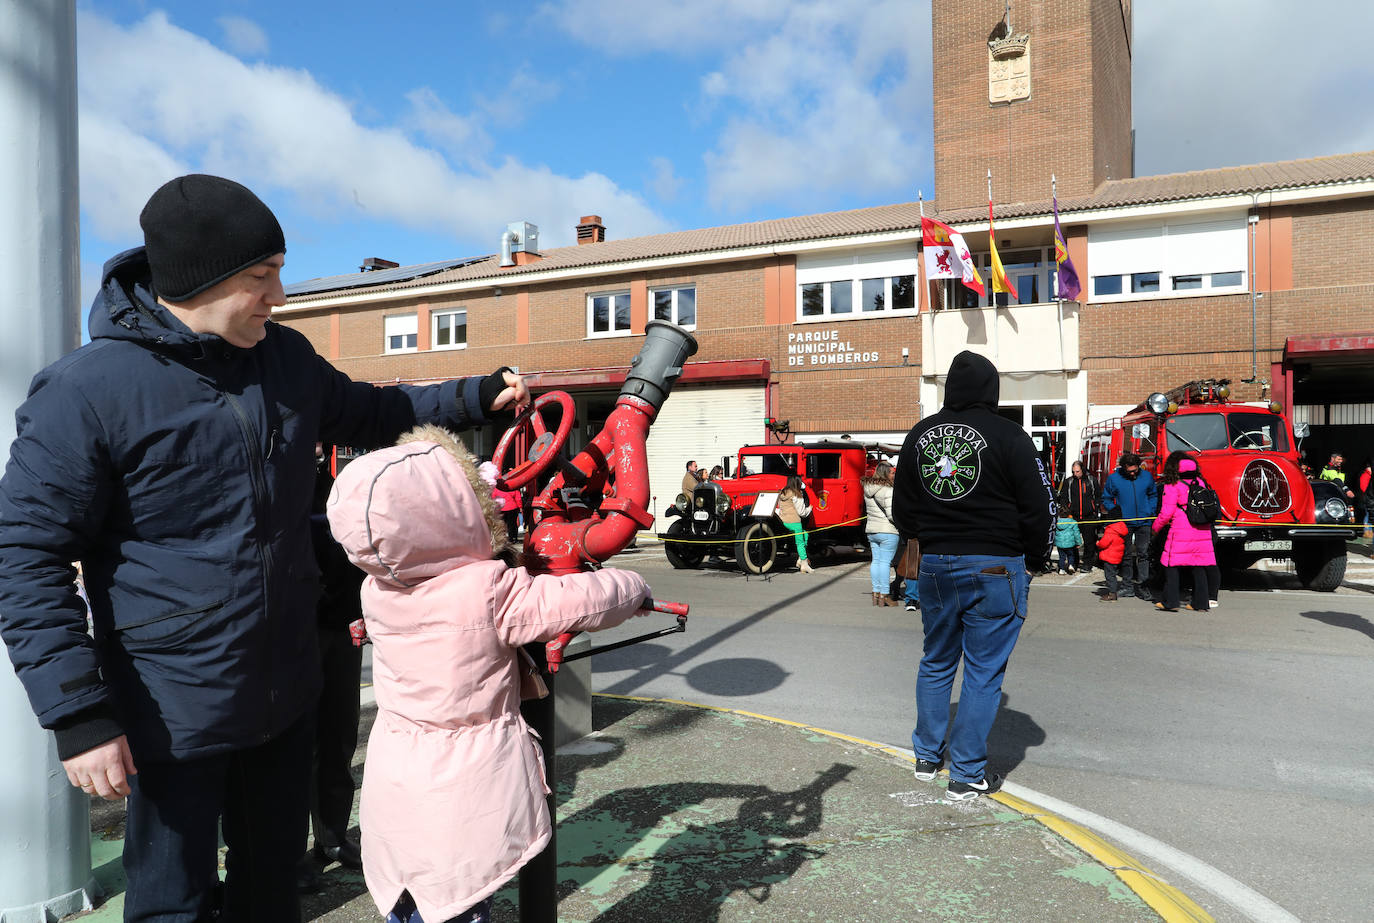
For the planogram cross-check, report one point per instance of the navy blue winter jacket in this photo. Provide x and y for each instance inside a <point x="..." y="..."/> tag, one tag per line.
<point x="179" y="470"/>
<point x="1135" y="499"/>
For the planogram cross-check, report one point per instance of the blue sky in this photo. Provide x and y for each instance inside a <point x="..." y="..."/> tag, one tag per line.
<point x="417" y="131"/>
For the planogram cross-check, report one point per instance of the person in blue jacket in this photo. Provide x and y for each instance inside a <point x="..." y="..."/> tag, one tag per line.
<point x="174" y="457"/>
<point x="1131" y="494"/>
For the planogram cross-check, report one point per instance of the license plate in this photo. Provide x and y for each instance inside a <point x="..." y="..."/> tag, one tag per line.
<point x="1276" y="545"/>
<point x="701" y="515"/>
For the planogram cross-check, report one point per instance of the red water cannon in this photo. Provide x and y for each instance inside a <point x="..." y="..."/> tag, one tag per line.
<point x="593" y="505"/>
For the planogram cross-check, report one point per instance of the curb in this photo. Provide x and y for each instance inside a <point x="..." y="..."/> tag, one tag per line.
<point x="1168" y="901"/>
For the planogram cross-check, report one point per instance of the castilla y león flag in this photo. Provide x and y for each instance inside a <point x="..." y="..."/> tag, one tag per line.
<point x="947" y="255"/>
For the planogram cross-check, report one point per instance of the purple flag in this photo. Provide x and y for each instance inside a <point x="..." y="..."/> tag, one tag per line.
<point x="1068" y="276"/>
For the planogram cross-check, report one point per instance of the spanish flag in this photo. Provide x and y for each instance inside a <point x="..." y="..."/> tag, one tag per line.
<point x="1000" y="282"/>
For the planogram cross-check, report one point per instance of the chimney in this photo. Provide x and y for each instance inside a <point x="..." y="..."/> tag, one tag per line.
<point x="590" y="230"/>
<point x="373" y="263"/>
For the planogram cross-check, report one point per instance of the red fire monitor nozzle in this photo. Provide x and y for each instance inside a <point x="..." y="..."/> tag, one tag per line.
<point x="595" y="503"/>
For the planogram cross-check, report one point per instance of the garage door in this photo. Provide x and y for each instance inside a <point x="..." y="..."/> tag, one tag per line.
<point x="700" y="423"/>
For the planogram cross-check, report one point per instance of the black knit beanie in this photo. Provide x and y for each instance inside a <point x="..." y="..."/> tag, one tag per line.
<point x="199" y="230"/>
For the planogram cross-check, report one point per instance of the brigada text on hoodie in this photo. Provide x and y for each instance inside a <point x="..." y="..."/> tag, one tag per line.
<point x="969" y="481"/>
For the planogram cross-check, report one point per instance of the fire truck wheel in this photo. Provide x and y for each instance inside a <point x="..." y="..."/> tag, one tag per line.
<point x="1321" y="566"/>
<point x="680" y="554"/>
<point x="756" y="547"/>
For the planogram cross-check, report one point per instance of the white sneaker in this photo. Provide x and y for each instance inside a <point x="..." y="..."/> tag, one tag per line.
<point x="1212" y="604"/>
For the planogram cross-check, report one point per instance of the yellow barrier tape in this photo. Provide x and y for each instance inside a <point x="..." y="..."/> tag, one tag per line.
<point x="730" y="539"/>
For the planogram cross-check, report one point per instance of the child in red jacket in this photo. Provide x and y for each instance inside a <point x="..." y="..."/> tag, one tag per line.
<point x="1110" y="548"/>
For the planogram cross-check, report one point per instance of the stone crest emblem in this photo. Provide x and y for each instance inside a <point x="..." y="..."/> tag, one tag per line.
<point x="948" y="459"/>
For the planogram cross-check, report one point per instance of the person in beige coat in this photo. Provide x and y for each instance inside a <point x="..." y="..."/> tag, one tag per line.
<point x="453" y="790"/>
<point x="882" y="534"/>
<point x="793" y="507"/>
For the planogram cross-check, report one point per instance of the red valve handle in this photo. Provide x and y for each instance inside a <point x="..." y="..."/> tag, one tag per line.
<point x="545" y="447"/>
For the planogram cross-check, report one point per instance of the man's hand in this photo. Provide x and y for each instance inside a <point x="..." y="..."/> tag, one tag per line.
<point x="103" y="770"/>
<point x="515" y="394"/>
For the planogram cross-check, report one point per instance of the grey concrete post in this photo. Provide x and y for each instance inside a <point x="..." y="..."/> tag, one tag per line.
<point x="45" y="841"/>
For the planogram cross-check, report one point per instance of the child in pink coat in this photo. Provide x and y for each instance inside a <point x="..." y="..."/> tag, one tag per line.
<point x="1186" y="545"/>
<point x="453" y="792"/>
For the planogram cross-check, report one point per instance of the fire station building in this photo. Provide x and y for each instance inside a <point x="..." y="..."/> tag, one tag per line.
<point x="824" y="326"/>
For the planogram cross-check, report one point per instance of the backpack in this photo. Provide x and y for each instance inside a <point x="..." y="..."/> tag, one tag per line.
<point x="1204" y="506"/>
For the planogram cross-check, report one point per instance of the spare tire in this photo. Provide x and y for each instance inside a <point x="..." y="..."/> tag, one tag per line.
<point x="756" y="547"/>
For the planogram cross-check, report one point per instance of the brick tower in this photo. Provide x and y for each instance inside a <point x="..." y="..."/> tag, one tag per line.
<point x="1050" y="94"/>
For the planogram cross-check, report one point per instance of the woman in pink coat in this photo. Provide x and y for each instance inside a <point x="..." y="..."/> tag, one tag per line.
<point x="453" y="791"/>
<point x="1186" y="545"/>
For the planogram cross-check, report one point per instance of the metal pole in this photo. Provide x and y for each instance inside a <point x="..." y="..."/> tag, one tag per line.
<point x="45" y="841"/>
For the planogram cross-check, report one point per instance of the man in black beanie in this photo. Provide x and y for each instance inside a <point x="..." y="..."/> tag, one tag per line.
<point x="174" y="457"/>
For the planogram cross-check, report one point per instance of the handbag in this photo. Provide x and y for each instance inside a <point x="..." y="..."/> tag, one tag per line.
<point x="909" y="561"/>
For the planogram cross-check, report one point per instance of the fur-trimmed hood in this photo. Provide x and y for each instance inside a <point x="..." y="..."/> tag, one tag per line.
<point x="417" y="509"/>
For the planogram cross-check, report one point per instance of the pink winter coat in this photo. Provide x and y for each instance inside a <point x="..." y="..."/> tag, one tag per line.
<point x="1186" y="544"/>
<point x="453" y="790"/>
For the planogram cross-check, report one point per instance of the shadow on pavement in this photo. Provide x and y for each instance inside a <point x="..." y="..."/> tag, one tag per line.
<point x="702" y="864"/>
<point x="1342" y="620"/>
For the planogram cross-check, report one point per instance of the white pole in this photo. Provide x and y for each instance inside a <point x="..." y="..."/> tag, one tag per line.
<point x="45" y="841"/>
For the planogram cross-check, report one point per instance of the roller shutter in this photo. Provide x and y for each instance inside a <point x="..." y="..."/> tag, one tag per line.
<point x="701" y="423"/>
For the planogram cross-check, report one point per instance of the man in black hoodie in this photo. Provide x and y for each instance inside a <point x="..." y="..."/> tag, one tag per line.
<point x="973" y="491"/>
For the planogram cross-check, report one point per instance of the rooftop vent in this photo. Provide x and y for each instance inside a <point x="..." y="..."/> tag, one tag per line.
<point x="590" y="230"/>
<point x="373" y="263"/>
<point x="520" y="238"/>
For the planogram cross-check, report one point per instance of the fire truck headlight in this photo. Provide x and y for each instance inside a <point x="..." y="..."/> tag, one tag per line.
<point x="1157" y="403"/>
<point x="1275" y="407"/>
<point x="1336" y="509"/>
<point x="722" y="505"/>
<point x="681" y="503"/>
<point x="1223" y="392"/>
<point x="1173" y="407"/>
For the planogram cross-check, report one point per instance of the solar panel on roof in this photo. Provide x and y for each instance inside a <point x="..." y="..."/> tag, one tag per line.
<point x="377" y="277"/>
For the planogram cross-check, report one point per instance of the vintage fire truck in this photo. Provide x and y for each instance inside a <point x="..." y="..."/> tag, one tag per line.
<point x="1249" y="455"/>
<point x="735" y="516"/>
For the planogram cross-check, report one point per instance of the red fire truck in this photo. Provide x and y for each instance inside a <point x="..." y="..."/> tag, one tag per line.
<point x="1249" y="455"/>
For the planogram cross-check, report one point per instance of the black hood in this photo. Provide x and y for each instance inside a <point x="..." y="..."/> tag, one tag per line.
<point x="125" y="308"/>
<point x="972" y="382"/>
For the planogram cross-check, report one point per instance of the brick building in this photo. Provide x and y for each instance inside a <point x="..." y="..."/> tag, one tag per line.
<point x="825" y="321"/>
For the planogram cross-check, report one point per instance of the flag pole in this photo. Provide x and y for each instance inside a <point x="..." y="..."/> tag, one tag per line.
<point x="1058" y="297"/>
<point x="992" y="288"/>
<point x="921" y="204"/>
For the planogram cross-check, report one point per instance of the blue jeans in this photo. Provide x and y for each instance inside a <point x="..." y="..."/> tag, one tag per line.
<point x="173" y="827"/>
<point x="884" y="546"/>
<point x="972" y="606"/>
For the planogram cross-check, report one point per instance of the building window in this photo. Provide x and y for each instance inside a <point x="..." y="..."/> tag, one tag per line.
<point x="676" y="305"/>
<point x="450" y="330"/>
<point x="608" y="315"/>
<point x="1031" y="272"/>
<point x="1183" y="283"/>
<point x="866" y="283"/>
<point x="1227" y="279"/>
<point x="1142" y="282"/>
<point x="1106" y="285"/>
<point x="401" y="333"/>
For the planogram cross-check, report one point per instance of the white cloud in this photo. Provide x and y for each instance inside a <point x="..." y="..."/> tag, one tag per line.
<point x="243" y="36"/>
<point x="818" y="98"/>
<point x="1249" y="83"/>
<point x="286" y="136"/>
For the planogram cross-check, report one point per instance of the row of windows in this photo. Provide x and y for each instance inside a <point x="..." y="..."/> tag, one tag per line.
<point x="447" y="330"/>
<point x="1145" y="283"/>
